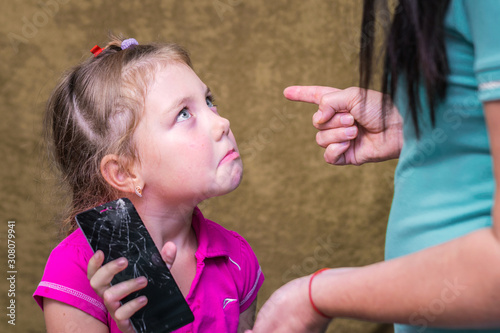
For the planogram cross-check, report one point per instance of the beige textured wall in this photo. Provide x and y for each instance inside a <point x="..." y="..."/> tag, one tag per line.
<point x="297" y="212"/>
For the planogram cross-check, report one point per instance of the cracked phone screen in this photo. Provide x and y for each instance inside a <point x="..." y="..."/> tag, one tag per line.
<point x="117" y="229"/>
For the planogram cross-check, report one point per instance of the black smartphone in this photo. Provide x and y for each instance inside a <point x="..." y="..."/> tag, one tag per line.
<point x="117" y="229"/>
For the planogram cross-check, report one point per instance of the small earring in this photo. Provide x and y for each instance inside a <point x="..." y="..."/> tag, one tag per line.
<point x="138" y="191"/>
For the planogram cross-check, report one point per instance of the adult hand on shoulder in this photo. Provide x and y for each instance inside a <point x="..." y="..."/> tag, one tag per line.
<point x="289" y="310"/>
<point x="100" y="278"/>
<point x="352" y="132"/>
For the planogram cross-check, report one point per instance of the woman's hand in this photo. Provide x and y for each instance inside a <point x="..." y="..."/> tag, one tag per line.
<point x="100" y="278"/>
<point x="289" y="310"/>
<point x="351" y="131"/>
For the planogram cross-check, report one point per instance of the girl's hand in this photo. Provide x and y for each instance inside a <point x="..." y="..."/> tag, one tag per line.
<point x="289" y="310"/>
<point x="100" y="278"/>
<point x="352" y="132"/>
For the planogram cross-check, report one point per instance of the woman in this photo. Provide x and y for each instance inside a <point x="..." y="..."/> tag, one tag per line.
<point x="442" y="268"/>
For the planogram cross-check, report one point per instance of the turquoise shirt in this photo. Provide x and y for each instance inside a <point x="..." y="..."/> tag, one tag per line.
<point x="444" y="185"/>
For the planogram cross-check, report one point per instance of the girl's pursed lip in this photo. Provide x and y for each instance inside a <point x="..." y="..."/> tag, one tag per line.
<point x="231" y="155"/>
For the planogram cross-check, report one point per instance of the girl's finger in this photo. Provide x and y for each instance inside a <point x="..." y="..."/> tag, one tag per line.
<point x="95" y="263"/>
<point x="116" y="293"/>
<point x="126" y="311"/>
<point x="103" y="276"/>
<point x="337" y="135"/>
<point x="168" y="253"/>
<point x="125" y="326"/>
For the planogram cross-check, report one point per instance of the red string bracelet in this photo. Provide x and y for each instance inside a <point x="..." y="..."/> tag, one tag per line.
<point x="310" y="292"/>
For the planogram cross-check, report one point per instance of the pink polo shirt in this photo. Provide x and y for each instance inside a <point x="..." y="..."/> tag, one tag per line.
<point x="228" y="277"/>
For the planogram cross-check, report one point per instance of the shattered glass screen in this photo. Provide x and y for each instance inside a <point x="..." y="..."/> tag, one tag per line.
<point x="116" y="229"/>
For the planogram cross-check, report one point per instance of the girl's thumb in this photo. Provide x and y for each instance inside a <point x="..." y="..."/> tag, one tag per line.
<point x="168" y="253"/>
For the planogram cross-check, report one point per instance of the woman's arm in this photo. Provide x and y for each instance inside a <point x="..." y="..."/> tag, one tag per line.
<point x="455" y="284"/>
<point x="62" y="318"/>
<point x="451" y="285"/>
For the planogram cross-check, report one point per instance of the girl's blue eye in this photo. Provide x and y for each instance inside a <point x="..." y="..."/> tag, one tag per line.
<point x="210" y="101"/>
<point x="183" y="115"/>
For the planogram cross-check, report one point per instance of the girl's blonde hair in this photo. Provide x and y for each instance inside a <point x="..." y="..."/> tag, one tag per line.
<point x="94" y="111"/>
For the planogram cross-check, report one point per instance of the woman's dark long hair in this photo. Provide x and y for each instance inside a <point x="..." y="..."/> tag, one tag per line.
<point x="415" y="52"/>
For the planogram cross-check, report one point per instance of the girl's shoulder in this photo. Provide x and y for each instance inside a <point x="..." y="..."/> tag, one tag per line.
<point x="74" y="247"/>
<point x="76" y="238"/>
<point x="65" y="277"/>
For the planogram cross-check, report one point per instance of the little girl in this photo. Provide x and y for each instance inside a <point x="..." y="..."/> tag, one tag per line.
<point x="135" y="121"/>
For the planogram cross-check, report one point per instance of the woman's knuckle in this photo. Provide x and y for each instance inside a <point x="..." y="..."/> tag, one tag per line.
<point x="323" y="100"/>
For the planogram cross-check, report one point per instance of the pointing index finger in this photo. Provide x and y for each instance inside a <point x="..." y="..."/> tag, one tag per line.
<point x="308" y="94"/>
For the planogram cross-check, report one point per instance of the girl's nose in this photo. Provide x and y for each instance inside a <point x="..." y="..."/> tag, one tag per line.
<point x="221" y="127"/>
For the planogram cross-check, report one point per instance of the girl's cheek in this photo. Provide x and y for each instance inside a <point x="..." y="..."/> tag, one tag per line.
<point x="196" y="146"/>
<point x="234" y="139"/>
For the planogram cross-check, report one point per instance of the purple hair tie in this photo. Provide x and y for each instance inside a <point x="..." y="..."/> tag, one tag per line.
<point x="128" y="43"/>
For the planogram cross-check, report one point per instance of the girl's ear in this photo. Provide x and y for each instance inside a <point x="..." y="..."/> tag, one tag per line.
<point x="115" y="171"/>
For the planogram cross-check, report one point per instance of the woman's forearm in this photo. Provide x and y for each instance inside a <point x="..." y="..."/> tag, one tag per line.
<point x="450" y="285"/>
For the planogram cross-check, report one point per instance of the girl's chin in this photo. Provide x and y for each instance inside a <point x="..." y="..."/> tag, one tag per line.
<point x="236" y="180"/>
<point x="229" y="185"/>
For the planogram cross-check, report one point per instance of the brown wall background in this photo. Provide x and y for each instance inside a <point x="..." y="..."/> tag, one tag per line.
<point x="298" y="213"/>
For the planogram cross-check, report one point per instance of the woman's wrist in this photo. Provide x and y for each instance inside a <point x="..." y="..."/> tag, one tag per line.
<point x="326" y="290"/>
<point x="311" y="300"/>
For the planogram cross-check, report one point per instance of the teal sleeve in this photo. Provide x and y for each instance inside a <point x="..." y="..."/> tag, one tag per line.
<point x="484" y="21"/>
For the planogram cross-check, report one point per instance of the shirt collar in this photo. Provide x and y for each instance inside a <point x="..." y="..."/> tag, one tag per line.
<point x="212" y="242"/>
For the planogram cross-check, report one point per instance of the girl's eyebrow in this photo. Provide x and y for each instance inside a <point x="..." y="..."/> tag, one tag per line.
<point x="178" y="104"/>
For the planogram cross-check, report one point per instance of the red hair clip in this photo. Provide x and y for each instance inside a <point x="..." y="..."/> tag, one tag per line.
<point x="96" y="50"/>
